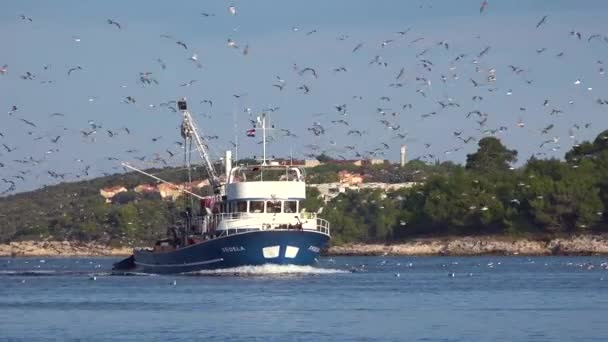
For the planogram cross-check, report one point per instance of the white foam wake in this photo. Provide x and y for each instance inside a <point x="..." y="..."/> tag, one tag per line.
<point x="269" y="269"/>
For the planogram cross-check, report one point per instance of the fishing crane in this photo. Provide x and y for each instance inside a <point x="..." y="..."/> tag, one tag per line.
<point x="189" y="131"/>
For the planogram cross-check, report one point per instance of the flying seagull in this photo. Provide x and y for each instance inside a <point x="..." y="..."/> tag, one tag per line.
<point x="28" y="122"/>
<point x="542" y="21"/>
<point x="483" y="6"/>
<point x="112" y="22"/>
<point x="179" y="42"/>
<point x="78" y="67"/>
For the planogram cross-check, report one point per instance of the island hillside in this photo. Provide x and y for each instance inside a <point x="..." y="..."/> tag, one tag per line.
<point x="541" y="200"/>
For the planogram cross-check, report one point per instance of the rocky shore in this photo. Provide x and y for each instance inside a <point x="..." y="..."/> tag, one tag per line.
<point x="581" y="245"/>
<point x="497" y="245"/>
<point x="60" y="249"/>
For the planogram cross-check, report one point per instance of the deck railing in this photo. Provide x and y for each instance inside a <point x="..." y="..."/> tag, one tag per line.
<point x="211" y="223"/>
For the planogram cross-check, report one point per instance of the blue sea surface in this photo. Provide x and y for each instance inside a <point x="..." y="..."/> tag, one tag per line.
<point x="341" y="299"/>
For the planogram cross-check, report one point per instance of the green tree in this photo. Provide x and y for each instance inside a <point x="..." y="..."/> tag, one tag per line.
<point x="492" y="156"/>
<point x="313" y="201"/>
<point x="588" y="149"/>
<point x="323" y="158"/>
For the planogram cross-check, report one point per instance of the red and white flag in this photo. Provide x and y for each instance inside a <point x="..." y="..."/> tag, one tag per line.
<point x="251" y="132"/>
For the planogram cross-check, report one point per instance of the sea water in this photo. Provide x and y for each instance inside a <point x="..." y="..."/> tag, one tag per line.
<point x="340" y="298"/>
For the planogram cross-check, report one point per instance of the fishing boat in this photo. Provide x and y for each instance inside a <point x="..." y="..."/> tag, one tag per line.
<point x="254" y="217"/>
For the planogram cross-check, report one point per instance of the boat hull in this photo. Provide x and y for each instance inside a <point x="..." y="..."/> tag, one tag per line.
<point x="295" y="247"/>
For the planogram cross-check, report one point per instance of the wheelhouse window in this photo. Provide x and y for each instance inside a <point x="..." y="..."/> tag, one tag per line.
<point x="290" y="206"/>
<point x="240" y="207"/>
<point x="256" y="206"/>
<point x="273" y="207"/>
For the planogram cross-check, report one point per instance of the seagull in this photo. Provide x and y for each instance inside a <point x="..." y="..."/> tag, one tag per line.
<point x="484" y="51"/>
<point x="542" y="21"/>
<point x="357" y="47"/>
<point x="112" y="22"/>
<point x="86" y="134"/>
<point x="232" y="44"/>
<point x="386" y="42"/>
<point x="194" y="58"/>
<point x="577" y="34"/>
<point x="28" y="76"/>
<point x="13" y="110"/>
<point x="305" y="88"/>
<point x="179" y="42"/>
<point x="313" y="71"/>
<point x="4" y="69"/>
<point x="78" y="67"/>
<point x="401" y="73"/>
<point x="28" y="122"/>
<point x="24" y="17"/>
<point x="232" y="9"/>
<point x="483" y="6"/>
<point x="9" y="149"/>
<point x="187" y="84"/>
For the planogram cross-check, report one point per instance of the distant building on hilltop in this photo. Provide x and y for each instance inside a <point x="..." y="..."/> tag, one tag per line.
<point x="345" y="177"/>
<point x="173" y="192"/>
<point x="145" y="188"/>
<point x="313" y="162"/>
<point x="166" y="191"/>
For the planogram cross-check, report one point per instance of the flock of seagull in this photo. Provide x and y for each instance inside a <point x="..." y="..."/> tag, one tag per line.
<point x="438" y="65"/>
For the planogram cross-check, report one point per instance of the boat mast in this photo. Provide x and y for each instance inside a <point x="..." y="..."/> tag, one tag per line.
<point x="189" y="131"/>
<point x="263" y="122"/>
<point x="236" y="134"/>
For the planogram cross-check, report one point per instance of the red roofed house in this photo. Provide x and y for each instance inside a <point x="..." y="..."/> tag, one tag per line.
<point x="173" y="192"/>
<point x="109" y="193"/>
<point x="143" y="188"/>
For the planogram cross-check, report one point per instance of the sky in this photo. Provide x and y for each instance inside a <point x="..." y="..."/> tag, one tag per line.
<point x="439" y="45"/>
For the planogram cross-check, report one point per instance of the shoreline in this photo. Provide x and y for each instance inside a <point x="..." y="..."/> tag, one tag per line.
<point x="455" y="246"/>
<point x="485" y="245"/>
<point x="61" y="249"/>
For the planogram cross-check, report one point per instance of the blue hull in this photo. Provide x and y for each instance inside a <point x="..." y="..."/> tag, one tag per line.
<point x="296" y="247"/>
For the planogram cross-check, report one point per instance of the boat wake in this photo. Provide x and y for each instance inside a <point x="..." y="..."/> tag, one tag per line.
<point x="267" y="270"/>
